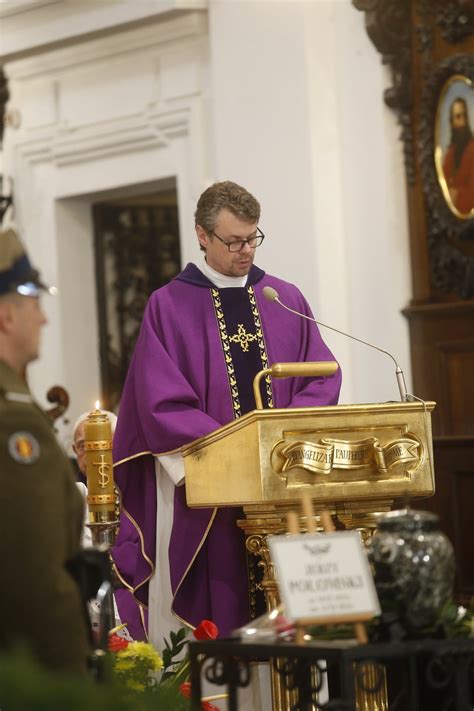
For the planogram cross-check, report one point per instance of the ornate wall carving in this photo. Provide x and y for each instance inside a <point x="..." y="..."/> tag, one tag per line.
<point x="425" y="42"/>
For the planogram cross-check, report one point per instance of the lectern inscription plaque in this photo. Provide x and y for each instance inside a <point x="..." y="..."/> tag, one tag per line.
<point x="325" y="455"/>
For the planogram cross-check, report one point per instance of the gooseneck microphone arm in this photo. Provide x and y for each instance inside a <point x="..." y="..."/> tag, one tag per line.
<point x="272" y="295"/>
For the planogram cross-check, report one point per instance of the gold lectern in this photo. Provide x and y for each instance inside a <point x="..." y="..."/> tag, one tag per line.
<point x="354" y="460"/>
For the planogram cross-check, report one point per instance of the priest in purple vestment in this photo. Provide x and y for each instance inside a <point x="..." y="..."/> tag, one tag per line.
<point x="203" y="338"/>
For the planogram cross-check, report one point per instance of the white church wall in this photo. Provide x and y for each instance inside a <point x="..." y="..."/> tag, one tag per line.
<point x="33" y="24"/>
<point x="299" y="118"/>
<point x="77" y="304"/>
<point x="371" y="231"/>
<point x="261" y="123"/>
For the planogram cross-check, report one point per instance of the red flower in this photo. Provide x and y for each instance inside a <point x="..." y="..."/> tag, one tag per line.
<point x="206" y="630"/>
<point x="185" y="690"/>
<point x="207" y="706"/>
<point x="117" y="643"/>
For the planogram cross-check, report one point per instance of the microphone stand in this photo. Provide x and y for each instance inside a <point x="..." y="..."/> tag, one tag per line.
<point x="272" y="295"/>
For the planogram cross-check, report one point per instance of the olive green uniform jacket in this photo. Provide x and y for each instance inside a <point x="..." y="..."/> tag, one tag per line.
<point x="41" y="512"/>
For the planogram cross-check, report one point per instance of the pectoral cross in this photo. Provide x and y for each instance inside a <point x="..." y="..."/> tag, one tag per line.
<point x="243" y="338"/>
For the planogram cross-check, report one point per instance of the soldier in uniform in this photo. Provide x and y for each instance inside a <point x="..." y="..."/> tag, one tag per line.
<point x="41" y="508"/>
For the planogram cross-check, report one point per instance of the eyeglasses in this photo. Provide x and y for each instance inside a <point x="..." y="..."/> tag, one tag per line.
<point x="238" y="244"/>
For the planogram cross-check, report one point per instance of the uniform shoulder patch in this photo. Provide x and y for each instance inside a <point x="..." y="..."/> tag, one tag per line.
<point x="23" y="447"/>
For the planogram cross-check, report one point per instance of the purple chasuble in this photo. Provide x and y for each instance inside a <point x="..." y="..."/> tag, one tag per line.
<point x="191" y="372"/>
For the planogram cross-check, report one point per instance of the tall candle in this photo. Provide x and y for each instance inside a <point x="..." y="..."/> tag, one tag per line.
<point x="99" y="468"/>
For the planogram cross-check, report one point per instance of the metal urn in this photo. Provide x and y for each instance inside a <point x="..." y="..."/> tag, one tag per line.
<point x="413" y="566"/>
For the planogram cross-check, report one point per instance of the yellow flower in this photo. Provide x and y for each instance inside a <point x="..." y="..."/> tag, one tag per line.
<point x="136" y="685"/>
<point x="142" y="653"/>
<point x="136" y="663"/>
<point x="123" y="665"/>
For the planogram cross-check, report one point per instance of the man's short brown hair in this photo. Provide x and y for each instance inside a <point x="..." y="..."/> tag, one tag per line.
<point x="225" y="196"/>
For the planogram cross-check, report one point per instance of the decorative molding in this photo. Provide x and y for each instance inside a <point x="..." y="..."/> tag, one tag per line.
<point x="455" y="18"/>
<point x="63" y="146"/>
<point x="69" y="137"/>
<point x="190" y="25"/>
<point x="73" y="22"/>
<point x="20" y="6"/>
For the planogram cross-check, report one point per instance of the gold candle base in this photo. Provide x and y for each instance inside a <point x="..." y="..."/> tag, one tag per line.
<point x="101" y="497"/>
<point x="104" y="534"/>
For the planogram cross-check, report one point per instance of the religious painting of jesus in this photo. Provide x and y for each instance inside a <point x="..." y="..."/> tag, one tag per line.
<point x="454" y="145"/>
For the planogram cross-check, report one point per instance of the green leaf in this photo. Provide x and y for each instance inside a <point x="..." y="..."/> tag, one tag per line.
<point x="179" y="648"/>
<point x="167" y="658"/>
<point x="182" y="632"/>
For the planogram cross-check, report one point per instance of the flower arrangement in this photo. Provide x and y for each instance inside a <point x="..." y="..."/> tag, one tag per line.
<point x="141" y="668"/>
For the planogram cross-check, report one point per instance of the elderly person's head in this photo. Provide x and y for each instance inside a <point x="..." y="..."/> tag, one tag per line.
<point x="78" y="437"/>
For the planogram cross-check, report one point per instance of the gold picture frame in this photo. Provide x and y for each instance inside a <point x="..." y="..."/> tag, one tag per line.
<point x="454" y="144"/>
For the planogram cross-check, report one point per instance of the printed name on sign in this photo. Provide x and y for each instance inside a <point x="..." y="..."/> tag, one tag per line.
<point x="324" y="578"/>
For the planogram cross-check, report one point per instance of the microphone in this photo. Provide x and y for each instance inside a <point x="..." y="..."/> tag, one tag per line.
<point x="271" y="294"/>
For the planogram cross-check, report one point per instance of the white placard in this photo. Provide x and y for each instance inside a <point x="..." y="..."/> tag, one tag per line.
<point x="324" y="576"/>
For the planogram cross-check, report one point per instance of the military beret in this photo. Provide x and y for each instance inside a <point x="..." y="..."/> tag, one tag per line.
<point x="16" y="272"/>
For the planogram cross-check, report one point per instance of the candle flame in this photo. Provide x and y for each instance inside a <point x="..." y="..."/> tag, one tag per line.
<point x="97" y="404"/>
